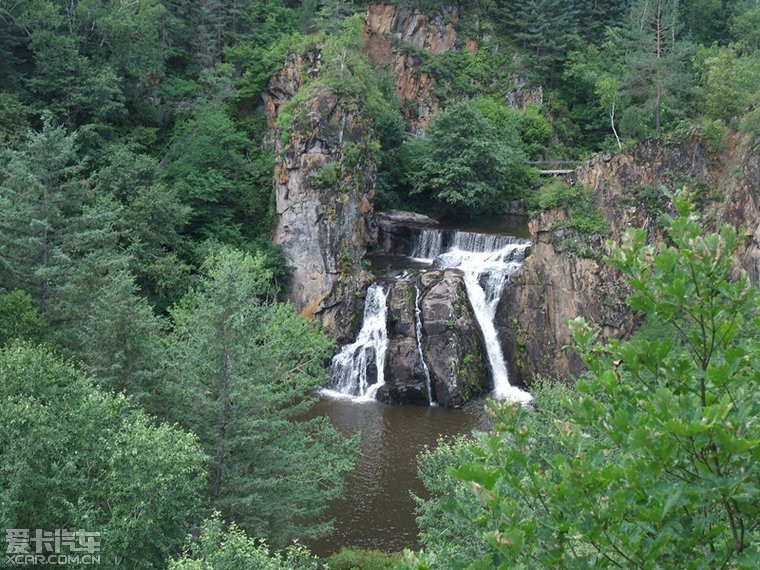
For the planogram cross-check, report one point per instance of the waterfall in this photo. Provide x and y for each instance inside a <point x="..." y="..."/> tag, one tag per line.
<point x="432" y="243"/>
<point x="429" y="244"/>
<point x="359" y="368"/>
<point x="486" y="262"/>
<point x="418" y="329"/>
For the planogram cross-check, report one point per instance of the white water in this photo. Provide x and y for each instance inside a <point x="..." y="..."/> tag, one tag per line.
<point x="351" y="369"/>
<point x="418" y="328"/>
<point x="486" y="262"/>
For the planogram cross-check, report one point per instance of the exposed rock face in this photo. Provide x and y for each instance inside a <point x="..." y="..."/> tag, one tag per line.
<point x="436" y="35"/>
<point x="551" y="288"/>
<point x="398" y="230"/>
<point x="741" y="208"/>
<point x="387" y="23"/>
<point x="452" y="346"/>
<point x="452" y="343"/>
<point x="325" y="222"/>
<point x="523" y="95"/>
<point x="404" y="372"/>
<point x="555" y="285"/>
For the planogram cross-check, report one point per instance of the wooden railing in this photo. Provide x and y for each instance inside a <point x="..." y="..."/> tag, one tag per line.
<point x="555" y="167"/>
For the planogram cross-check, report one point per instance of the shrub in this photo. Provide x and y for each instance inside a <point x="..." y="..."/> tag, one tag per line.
<point x="353" y="559"/>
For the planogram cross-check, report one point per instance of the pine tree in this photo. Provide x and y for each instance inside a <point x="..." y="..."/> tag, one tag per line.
<point x="595" y="16"/>
<point x="544" y="29"/>
<point x="41" y="188"/>
<point x="59" y="240"/>
<point x="120" y="342"/>
<point x="656" y="81"/>
<point x="242" y="370"/>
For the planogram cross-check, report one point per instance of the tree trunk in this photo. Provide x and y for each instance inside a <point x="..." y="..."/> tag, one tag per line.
<point x="658" y="96"/>
<point x="612" y="122"/>
<point x="224" y="403"/>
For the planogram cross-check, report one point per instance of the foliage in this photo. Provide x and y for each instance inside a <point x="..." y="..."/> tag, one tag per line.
<point x="352" y="559"/>
<point x="134" y="145"/>
<point x="656" y="81"/>
<point x="241" y="369"/>
<point x="74" y="457"/>
<point x="220" y="548"/>
<point x="19" y="318"/>
<point x="578" y="202"/>
<point x="209" y="170"/>
<point x="327" y="177"/>
<point x="58" y="241"/>
<point x="154" y="219"/>
<point x="545" y="30"/>
<point x="451" y="518"/>
<point x="120" y="340"/>
<point x="730" y="82"/>
<point x="462" y="162"/>
<point x="670" y="479"/>
<point x="751" y="124"/>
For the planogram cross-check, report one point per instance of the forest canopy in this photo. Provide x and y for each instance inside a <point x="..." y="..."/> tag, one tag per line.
<point x="145" y="342"/>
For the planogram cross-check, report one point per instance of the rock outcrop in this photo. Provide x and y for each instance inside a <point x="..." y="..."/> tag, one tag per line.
<point x="398" y="231"/>
<point x="323" y="198"/>
<point x="386" y="27"/>
<point x="404" y="370"/>
<point x="557" y="284"/>
<point x="522" y="95"/>
<point x="452" y="342"/>
<point x="436" y="35"/>
<point x="741" y="207"/>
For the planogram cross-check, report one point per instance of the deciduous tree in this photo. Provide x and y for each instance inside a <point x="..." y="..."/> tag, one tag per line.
<point x="658" y="459"/>
<point x="74" y="457"/>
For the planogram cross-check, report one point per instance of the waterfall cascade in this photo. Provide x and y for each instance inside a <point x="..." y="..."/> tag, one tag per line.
<point x="485" y="261"/>
<point x="351" y="371"/>
<point x="418" y="331"/>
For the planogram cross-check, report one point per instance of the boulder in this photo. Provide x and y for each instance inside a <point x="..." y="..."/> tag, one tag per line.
<point x="452" y="342"/>
<point x="404" y="372"/>
<point x="398" y="230"/>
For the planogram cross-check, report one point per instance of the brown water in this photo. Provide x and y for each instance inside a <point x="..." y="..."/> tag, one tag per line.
<point x="378" y="512"/>
<point x="505" y="224"/>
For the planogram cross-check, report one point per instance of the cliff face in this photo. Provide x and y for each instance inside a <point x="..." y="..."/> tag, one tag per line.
<point x="385" y="27"/>
<point x="556" y="284"/>
<point x="324" y="183"/>
<point x="390" y="30"/>
<point x="742" y="209"/>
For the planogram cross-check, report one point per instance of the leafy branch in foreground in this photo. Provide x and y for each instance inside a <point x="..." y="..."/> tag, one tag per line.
<point x="658" y="462"/>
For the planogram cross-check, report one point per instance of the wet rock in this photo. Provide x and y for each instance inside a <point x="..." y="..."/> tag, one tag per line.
<point x="405" y="377"/>
<point x="404" y="372"/>
<point x="452" y="343"/>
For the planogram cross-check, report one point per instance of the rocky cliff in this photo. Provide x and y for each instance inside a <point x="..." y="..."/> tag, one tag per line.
<point x="558" y="282"/>
<point x="393" y="33"/>
<point x="386" y="28"/>
<point x="324" y="185"/>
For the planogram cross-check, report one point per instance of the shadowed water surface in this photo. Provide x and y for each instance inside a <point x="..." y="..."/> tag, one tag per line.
<point x="378" y="512"/>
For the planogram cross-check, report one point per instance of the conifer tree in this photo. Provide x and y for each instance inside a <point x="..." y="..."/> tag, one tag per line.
<point x="655" y="57"/>
<point x="241" y="370"/>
